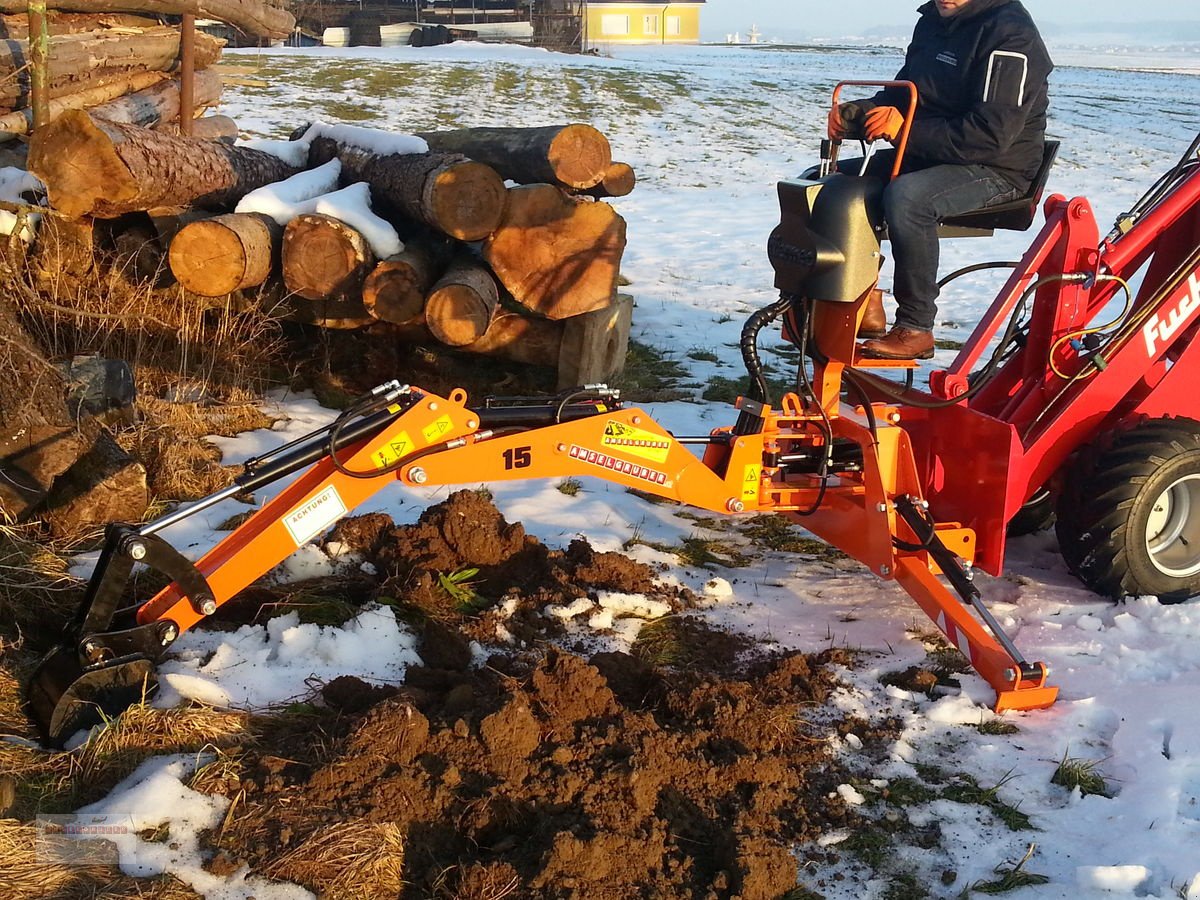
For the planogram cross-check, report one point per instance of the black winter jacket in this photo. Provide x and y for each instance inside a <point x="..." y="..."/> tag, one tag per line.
<point x="981" y="85"/>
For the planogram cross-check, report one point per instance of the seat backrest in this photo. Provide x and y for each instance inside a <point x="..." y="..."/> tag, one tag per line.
<point x="1015" y="215"/>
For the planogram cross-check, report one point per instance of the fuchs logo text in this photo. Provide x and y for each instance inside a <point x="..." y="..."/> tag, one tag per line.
<point x="1164" y="325"/>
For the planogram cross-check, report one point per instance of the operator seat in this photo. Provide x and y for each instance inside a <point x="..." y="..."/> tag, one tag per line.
<point x="1015" y="215"/>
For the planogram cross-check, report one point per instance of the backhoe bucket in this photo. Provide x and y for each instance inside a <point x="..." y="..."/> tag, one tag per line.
<point x="65" y="698"/>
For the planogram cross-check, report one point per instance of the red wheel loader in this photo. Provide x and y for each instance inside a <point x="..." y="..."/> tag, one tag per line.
<point x="1050" y="404"/>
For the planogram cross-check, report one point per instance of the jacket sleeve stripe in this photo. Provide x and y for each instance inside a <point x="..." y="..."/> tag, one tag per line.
<point x="1000" y="68"/>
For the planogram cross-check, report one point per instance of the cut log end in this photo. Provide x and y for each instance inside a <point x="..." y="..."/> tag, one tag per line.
<point x="224" y="254"/>
<point x="79" y="164"/>
<point x="323" y="257"/>
<point x="468" y="201"/>
<point x="579" y="155"/>
<point x="456" y="315"/>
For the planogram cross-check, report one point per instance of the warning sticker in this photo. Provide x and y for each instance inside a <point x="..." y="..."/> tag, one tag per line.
<point x="635" y="441"/>
<point x="437" y="429"/>
<point x="750" y="482"/>
<point x="398" y="446"/>
<point x="613" y="464"/>
<point x="314" y="515"/>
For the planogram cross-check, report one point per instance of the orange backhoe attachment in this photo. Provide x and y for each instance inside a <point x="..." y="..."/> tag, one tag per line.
<point x="862" y="497"/>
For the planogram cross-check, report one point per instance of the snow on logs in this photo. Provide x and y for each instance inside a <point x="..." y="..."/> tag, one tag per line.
<point x="447" y="191"/>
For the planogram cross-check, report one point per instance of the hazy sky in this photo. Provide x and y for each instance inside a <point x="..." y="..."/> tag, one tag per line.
<point x="823" y="18"/>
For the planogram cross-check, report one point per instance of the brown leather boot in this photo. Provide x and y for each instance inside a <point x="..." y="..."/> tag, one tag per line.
<point x="874" y="320"/>
<point x="900" y="343"/>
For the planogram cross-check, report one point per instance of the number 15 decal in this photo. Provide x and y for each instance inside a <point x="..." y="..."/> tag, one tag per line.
<point x="518" y="457"/>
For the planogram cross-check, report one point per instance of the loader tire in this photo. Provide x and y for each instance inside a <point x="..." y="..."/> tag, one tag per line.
<point x="1128" y="519"/>
<point x="1036" y="515"/>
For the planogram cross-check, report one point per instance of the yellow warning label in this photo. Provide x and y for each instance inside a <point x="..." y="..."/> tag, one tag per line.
<point x="635" y="442"/>
<point x="437" y="429"/>
<point x="750" y="481"/>
<point x="398" y="446"/>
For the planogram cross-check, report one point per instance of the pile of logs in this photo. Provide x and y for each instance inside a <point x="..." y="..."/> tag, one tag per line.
<point x="118" y="59"/>
<point x="528" y="271"/>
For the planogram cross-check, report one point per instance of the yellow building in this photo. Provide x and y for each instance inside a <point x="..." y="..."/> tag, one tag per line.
<point x="641" y="22"/>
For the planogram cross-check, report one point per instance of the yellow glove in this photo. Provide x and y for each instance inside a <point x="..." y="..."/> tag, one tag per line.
<point x="883" y="122"/>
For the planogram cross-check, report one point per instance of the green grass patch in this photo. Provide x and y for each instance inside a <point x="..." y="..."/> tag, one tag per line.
<point x="1083" y="774"/>
<point x="947" y="344"/>
<point x="997" y="726"/>
<point x="650" y="376"/>
<point x="662" y="643"/>
<point x="569" y="486"/>
<point x="1011" y="877"/>
<point x="908" y="792"/>
<point x="776" y="532"/>
<point x="703" y="356"/>
<point x="905" y="886"/>
<point x="965" y="789"/>
<point x="727" y="390"/>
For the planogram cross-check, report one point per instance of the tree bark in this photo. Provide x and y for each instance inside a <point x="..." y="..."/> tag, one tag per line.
<point x="462" y="303"/>
<point x="570" y="156"/>
<point x="446" y="191"/>
<point x="254" y="17"/>
<point x="105" y="169"/>
<point x="324" y="257"/>
<point x="159" y="104"/>
<point x="557" y="256"/>
<point x="217" y="256"/>
<point x="618" y="181"/>
<point x="79" y="61"/>
<point x="396" y="288"/>
<point x="21" y="122"/>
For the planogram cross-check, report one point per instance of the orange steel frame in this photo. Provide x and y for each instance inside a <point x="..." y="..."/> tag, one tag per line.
<point x="626" y="446"/>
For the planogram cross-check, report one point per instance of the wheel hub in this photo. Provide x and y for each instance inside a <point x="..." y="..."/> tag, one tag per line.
<point x="1173" y="529"/>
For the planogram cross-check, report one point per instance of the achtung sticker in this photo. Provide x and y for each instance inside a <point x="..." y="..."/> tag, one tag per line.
<point x="314" y="515"/>
<point x="612" y="464"/>
<point x="635" y="441"/>
<point x="398" y="446"/>
<point x="437" y="428"/>
<point x="750" y="481"/>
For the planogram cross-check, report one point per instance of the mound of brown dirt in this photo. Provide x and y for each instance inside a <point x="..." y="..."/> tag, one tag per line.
<point x="560" y="778"/>
<point x="461" y="557"/>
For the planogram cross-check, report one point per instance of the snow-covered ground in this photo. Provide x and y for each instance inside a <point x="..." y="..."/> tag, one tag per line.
<point x="709" y="131"/>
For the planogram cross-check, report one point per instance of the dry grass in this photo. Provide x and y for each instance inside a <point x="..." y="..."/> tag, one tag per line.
<point x="220" y="346"/>
<point x="347" y="861"/>
<point x="35" y="587"/>
<point x="168" y="440"/>
<point x="62" y="782"/>
<point x="27" y="874"/>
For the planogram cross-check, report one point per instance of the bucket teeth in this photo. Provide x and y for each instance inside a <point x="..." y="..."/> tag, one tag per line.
<point x="65" y="698"/>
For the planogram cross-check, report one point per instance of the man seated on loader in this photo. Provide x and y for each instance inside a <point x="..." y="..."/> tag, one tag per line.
<point x="981" y="70"/>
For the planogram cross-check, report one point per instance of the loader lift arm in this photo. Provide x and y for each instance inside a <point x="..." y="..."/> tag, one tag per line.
<point x="865" y="501"/>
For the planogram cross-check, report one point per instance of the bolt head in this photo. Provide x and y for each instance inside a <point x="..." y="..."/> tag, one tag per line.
<point x="637" y="420"/>
<point x="169" y="634"/>
<point x="1010" y="674"/>
<point x="885" y="570"/>
<point x="561" y="448"/>
<point x="137" y="550"/>
<point x="735" y="505"/>
<point x="417" y="475"/>
<point x="472" y="423"/>
<point x="881" y="507"/>
<point x="208" y="607"/>
<point x="433" y="406"/>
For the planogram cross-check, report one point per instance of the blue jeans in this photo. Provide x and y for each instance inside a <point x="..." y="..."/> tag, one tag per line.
<point x="913" y="204"/>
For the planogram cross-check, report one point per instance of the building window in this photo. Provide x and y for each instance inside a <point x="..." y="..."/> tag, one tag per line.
<point x="674" y="26"/>
<point x="649" y="24"/>
<point x="613" y="24"/>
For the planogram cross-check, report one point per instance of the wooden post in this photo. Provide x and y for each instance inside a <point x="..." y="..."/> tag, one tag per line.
<point x="187" y="74"/>
<point x="39" y="44"/>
